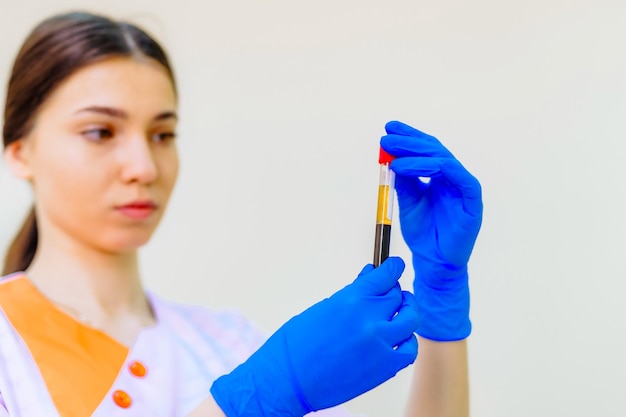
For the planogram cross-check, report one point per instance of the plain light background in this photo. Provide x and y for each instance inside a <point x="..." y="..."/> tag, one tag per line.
<point x="282" y="105"/>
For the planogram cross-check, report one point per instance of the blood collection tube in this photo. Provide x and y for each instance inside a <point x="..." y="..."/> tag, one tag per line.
<point x="385" y="208"/>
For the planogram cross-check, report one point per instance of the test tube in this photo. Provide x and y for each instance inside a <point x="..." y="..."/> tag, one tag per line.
<point x="385" y="208"/>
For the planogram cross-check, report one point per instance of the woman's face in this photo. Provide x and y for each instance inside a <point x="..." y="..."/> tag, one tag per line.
<point x="102" y="157"/>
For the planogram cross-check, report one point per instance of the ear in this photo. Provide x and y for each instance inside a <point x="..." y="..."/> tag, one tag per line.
<point x="17" y="157"/>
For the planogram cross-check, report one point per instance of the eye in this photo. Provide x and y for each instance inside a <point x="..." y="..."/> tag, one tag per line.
<point x="98" y="134"/>
<point x="163" y="137"/>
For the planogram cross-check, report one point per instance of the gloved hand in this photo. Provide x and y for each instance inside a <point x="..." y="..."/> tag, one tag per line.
<point x="334" y="351"/>
<point x="440" y="221"/>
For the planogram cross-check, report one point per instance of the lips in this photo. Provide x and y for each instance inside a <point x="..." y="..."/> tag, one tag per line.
<point x="138" y="210"/>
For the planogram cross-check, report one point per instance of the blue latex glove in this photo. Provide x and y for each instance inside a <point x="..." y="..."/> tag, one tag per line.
<point x="440" y="221"/>
<point x="334" y="351"/>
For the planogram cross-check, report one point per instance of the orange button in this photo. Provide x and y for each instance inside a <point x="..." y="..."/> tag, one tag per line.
<point x="122" y="399"/>
<point x="138" y="369"/>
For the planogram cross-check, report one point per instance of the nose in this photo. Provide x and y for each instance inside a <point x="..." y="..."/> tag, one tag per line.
<point x="137" y="160"/>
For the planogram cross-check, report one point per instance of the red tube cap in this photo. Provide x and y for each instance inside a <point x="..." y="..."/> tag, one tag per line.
<point x="384" y="157"/>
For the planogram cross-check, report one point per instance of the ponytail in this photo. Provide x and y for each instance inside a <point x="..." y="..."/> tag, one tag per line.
<point x="22" y="250"/>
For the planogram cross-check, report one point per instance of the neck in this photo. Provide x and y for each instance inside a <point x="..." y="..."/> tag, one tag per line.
<point x="102" y="286"/>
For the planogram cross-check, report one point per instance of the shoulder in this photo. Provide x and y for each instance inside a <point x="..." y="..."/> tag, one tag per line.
<point x="10" y="280"/>
<point x="228" y="329"/>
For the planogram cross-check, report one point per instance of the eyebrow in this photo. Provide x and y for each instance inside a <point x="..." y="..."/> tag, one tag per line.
<point x="121" y="114"/>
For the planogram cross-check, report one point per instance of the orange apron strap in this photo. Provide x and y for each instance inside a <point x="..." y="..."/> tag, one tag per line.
<point x="78" y="363"/>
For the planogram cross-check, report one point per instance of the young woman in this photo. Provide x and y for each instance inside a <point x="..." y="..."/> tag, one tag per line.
<point x="90" y="121"/>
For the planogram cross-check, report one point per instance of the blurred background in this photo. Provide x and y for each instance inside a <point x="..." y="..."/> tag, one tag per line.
<point x="282" y="107"/>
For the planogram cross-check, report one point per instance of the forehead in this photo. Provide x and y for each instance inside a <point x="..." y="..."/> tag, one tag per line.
<point x="140" y="87"/>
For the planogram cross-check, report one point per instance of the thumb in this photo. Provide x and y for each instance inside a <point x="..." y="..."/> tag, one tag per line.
<point x="366" y="270"/>
<point x="378" y="281"/>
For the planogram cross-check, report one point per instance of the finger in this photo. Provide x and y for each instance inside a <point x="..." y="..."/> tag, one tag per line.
<point x="366" y="269"/>
<point x="403" y="324"/>
<point x="452" y="170"/>
<point x="467" y="183"/>
<point x="406" y="352"/>
<point x="400" y="146"/>
<point x="401" y="356"/>
<point x="385" y="306"/>
<point x="379" y="281"/>
<point x="417" y="166"/>
<point x="399" y="128"/>
<point x="404" y="140"/>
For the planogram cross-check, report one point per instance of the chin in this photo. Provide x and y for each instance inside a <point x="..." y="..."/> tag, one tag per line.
<point x="127" y="243"/>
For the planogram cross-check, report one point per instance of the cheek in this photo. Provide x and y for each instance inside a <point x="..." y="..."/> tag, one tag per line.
<point x="168" y="170"/>
<point x="66" y="185"/>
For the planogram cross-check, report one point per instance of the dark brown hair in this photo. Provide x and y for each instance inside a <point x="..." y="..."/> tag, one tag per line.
<point x="53" y="51"/>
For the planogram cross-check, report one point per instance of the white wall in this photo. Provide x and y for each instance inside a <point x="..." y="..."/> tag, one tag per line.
<point x="283" y="103"/>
